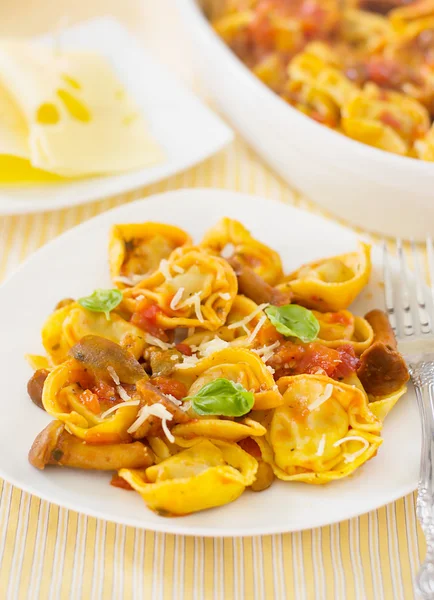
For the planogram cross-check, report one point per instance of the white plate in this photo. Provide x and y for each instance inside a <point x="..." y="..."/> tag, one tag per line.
<point x="75" y="264"/>
<point x="187" y="130"/>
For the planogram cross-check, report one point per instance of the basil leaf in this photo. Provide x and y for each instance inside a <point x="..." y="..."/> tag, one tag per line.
<point x="102" y="301"/>
<point x="222" y="397"/>
<point x="294" y="321"/>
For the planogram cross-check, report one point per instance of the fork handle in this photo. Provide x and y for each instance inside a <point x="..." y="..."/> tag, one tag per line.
<point x="422" y="374"/>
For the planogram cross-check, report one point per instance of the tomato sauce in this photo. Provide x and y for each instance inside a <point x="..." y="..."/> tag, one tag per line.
<point x="146" y="317"/>
<point x="297" y="358"/>
<point x="170" y="386"/>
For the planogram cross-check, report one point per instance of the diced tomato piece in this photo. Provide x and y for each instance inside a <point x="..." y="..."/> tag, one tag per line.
<point x="184" y="349"/>
<point x="147" y="319"/>
<point x="296" y="358"/>
<point x="120" y="482"/>
<point x="250" y="446"/>
<point x="90" y="401"/>
<point x="349" y="362"/>
<point x="105" y="392"/>
<point x="170" y="386"/>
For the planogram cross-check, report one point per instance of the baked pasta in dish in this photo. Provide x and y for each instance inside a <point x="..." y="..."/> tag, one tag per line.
<point x="362" y="67"/>
<point x="210" y="371"/>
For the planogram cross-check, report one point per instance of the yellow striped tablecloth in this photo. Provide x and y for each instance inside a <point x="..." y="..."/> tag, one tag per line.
<point x="48" y="552"/>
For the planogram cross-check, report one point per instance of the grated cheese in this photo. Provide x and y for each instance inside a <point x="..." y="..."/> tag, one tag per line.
<point x="266" y="352"/>
<point x="165" y="269"/>
<point x="174" y="357"/>
<point x="154" y="341"/>
<point x="272" y="371"/>
<point x="178" y="269"/>
<point x="227" y="251"/>
<point x="265" y="349"/>
<point x="328" y="391"/>
<point x="140" y="298"/>
<point x="188" y="362"/>
<point x="176" y="298"/>
<point x="123" y="394"/>
<point x="225" y="295"/>
<point x="255" y="332"/>
<point x="113" y="375"/>
<point x="208" y="347"/>
<point x="131" y="280"/>
<point x="156" y="410"/>
<point x="353" y="438"/>
<point x="121" y="405"/>
<point x="247" y="319"/>
<point x="173" y="399"/>
<point x="194" y="300"/>
<point x="321" y="445"/>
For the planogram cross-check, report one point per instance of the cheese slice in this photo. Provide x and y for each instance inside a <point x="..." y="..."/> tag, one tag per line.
<point x="79" y="118"/>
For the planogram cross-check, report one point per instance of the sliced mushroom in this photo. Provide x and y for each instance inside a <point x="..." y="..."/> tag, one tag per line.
<point x="254" y="287"/>
<point x="150" y="394"/>
<point x="99" y="355"/>
<point x="55" y="446"/>
<point x="35" y="386"/>
<point x="382" y="369"/>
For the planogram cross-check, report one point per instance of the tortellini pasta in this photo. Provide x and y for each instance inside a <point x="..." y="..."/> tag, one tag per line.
<point x="64" y="397"/>
<point x="262" y="259"/>
<point x="67" y="325"/>
<point x="195" y="290"/>
<point x="337" y="329"/>
<point x="323" y="431"/>
<point x="208" y="474"/>
<point x="136" y="250"/>
<point x="385" y="119"/>
<point x="331" y="284"/>
<point x="235" y="364"/>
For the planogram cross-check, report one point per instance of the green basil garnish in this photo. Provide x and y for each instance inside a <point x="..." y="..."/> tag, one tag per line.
<point x="224" y="398"/>
<point x="102" y="301"/>
<point x="294" y="321"/>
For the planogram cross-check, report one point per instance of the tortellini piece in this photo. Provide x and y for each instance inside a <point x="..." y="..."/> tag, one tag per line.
<point x="331" y="284"/>
<point x="238" y="365"/>
<point x="338" y="328"/>
<point x="385" y="119"/>
<point x="136" y="250"/>
<point x="245" y="248"/>
<point x="239" y="330"/>
<point x="380" y="406"/>
<point x="314" y="75"/>
<point x="195" y="289"/>
<point x="68" y="325"/>
<point x="65" y="397"/>
<point x="210" y="473"/>
<point x="365" y="30"/>
<point x="323" y="431"/>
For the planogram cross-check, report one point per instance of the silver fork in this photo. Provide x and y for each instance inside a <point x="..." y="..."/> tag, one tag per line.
<point x="411" y="314"/>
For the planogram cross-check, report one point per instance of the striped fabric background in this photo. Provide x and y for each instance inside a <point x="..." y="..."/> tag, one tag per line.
<point x="50" y="553"/>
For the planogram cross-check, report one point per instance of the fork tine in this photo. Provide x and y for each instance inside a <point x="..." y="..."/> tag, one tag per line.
<point x="423" y="309"/>
<point x="388" y="290"/>
<point x="408" y="313"/>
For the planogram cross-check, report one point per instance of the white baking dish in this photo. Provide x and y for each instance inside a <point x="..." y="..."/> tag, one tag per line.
<point x="369" y="188"/>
